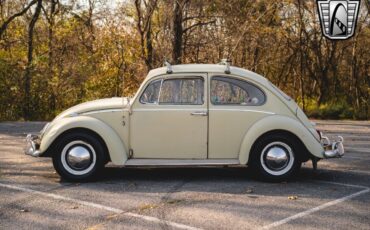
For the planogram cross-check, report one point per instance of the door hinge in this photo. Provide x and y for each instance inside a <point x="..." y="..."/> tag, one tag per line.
<point x="130" y="153"/>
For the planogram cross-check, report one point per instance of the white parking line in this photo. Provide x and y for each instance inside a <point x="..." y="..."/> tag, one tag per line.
<point x="99" y="206"/>
<point x="342" y="184"/>
<point x="323" y="206"/>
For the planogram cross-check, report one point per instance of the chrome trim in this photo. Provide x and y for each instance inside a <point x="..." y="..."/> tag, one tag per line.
<point x="169" y="67"/>
<point x="180" y="162"/>
<point x="46" y="126"/>
<point x="102" y="111"/>
<point x="226" y="62"/>
<point x="199" y="113"/>
<point x="159" y="93"/>
<point x="325" y="141"/>
<point x="78" y="157"/>
<point x="65" y="155"/>
<point x="333" y="149"/>
<point x="73" y="114"/>
<point x="244" y="110"/>
<point x="191" y="109"/>
<point x="276" y="158"/>
<point x="32" y="145"/>
<point x="277" y="154"/>
<point x="44" y="129"/>
<point x="158" y="110"/>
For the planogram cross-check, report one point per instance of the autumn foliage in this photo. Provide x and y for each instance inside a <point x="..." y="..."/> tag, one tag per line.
<point x="55" y="54"/>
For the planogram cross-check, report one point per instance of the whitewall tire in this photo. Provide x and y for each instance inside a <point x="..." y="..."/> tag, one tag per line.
<point x="79" y="156"/>
<point x="275" y="157"/>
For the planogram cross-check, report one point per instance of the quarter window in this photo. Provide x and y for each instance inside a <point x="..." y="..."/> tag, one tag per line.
<point x="231" y="91"/>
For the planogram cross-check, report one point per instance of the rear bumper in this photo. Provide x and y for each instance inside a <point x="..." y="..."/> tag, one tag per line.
<point x="333" y="148"/>
<point x="32" y="145"/>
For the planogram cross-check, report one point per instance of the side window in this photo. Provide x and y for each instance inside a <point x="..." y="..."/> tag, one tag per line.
<point x="151" y="93"/>
<point x="231" y="91"/>
<point x="188" y="91"/>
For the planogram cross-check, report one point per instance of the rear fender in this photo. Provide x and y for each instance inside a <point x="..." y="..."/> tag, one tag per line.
<point x="279" y="122"/>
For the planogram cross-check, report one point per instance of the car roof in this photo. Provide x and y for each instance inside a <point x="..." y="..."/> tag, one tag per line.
<point x="207" y="68"/>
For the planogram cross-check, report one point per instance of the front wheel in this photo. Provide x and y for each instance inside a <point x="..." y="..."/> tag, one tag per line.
<point x="79" y="156"/>
<point x="275" y="157"/>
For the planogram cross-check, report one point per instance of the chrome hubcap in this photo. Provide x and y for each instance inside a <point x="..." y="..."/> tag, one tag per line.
<point x="277" y="158"/>
<point x="78" y="157"/>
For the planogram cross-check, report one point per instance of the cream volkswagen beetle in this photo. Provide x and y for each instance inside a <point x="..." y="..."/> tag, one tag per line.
<point x="197" y="115"/>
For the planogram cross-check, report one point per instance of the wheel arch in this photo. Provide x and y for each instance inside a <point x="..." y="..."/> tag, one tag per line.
<point x="304" y="153"/>
<point x="109" y="138"/>
<point x="49" y="151"/>
<point x="279" y="123"/>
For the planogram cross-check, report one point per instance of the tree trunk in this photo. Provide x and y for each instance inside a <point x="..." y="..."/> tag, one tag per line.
<point x="51" y="52"/>
<point x="177" y="33"/>
<point x="144" y="27"/>
<point x="324" y="88"/>
<point x="149" y="46"/>
<point x="28" y="72"/>
<point x="301" y="78"/>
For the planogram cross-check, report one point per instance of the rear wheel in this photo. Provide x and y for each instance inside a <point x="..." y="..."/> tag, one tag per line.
<point x="79" y="156"/>
<point x="276" y="157"/>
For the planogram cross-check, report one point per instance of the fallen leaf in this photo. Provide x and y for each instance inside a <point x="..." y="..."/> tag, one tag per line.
<point x="249" y="190"/>
<point x="147" y="206"/>
<point x="132" y="185"/>
<point x="74" y="207"/>
<point x="24" y="210"/>
<point x="95" y="227"/>
<point x="173" y="201"/>
<point x="292" y="197"/>
<point x="112" y="216"/>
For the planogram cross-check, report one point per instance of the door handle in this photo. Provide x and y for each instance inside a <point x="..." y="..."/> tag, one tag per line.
<point x="199" y="113"/>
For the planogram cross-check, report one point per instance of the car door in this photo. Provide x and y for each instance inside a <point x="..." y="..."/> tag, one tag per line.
<point x="169" y="118"/>
<point x="235" y="105"/>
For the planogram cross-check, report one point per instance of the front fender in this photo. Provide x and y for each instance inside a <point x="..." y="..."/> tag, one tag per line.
<point x="279" y="122"/>
<point x="116" y="148"/>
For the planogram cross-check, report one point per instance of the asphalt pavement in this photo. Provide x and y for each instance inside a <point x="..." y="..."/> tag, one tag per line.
<point x="336" y="196"/>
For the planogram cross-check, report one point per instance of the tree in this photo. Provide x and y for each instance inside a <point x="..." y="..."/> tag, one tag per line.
<point x="5" y="24"/>
<point x="144" y="27"/>
<point x="55" y="54"/>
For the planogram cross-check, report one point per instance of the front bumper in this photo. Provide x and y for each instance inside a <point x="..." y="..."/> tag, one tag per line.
<point x="32" y="145"/>
<point x="333" y="149"/>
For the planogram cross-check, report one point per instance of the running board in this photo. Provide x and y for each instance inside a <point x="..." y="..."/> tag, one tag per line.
<point x="180" y="162"/>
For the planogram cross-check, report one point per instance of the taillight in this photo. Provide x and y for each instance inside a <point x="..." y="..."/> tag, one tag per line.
<point x="318" y="132"/>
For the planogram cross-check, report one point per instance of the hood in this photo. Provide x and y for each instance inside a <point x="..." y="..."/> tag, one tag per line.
<point x="96" y="105"/>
